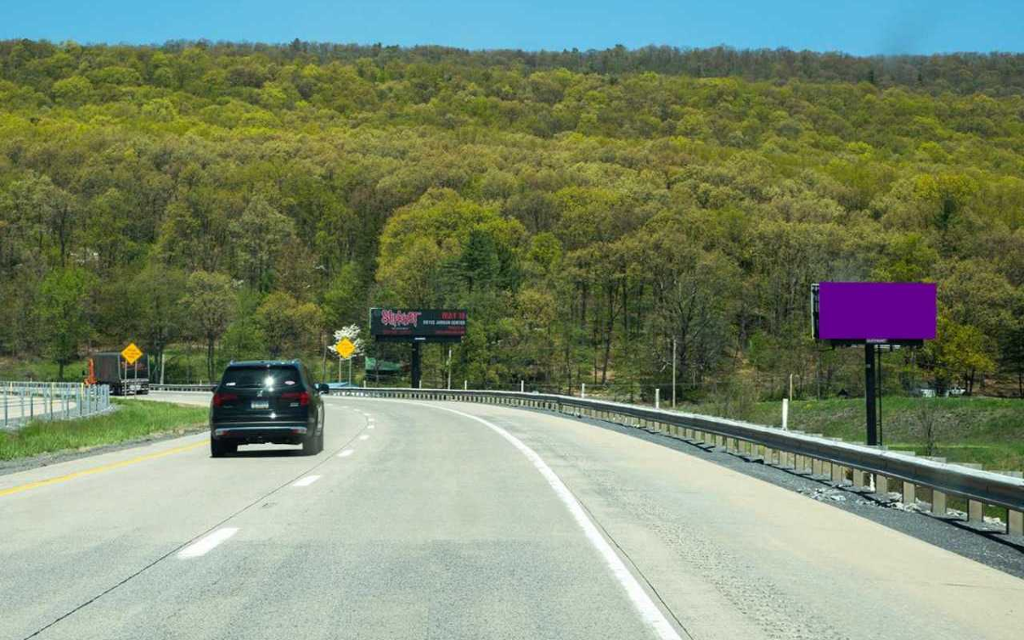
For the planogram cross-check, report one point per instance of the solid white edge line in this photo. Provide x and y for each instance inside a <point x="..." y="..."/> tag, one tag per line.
<point x="204" y="545"/>
<point x="305" y="482"/>
<point x="346" y="453"/>
<point x="649" y="612"/>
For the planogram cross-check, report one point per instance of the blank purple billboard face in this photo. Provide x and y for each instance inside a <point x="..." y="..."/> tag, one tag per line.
<point x="890" y="311"/>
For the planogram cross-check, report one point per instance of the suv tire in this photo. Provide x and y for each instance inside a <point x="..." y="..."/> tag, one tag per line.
<point x="309" y="445"/>
<point x="217" y="449"/>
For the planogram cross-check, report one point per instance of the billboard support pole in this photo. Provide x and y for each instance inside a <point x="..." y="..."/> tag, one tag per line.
<point x="880" y="388"/>
<point x="415" y="365"/>
<point x="869" y="393"/>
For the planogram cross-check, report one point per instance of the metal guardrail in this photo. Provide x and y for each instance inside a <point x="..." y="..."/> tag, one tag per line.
<point x="787" y="449"/>
<point x="188" y="388"/>
<point x="23" y="402"/>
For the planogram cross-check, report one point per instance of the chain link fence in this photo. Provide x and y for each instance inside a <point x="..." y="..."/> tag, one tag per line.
<point x="23" y="402"/>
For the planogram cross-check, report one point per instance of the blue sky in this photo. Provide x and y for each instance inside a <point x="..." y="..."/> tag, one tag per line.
<point x="863" y="27"/>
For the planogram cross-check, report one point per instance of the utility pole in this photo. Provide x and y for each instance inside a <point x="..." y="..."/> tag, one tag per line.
<point x="674" y="372"/>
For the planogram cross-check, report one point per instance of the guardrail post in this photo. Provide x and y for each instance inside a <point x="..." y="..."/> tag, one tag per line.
<point x="975" y="511"/>
<point x="838" y="473"/>
<point x="938" y="503"/>
<point x="1014" y="522"/>
<point x="909" y="492"/>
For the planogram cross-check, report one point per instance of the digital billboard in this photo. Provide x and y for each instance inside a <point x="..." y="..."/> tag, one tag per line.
<point x="418" y="325"/>
<point x="882" y="312"/>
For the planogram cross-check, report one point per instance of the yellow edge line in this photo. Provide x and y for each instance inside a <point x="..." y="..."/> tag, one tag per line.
<point x="99" y="469"/>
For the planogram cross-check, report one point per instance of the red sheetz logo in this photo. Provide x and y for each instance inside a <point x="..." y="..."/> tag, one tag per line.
<point x="398" y="319"/>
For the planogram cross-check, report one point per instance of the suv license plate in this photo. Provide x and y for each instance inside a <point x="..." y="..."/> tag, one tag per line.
<point x="260" y="404"/>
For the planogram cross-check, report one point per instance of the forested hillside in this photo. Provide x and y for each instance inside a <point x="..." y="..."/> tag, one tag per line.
<point x="587" y="208"/>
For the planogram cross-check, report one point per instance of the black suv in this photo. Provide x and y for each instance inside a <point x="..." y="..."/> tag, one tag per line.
<point x="266" y="401"/>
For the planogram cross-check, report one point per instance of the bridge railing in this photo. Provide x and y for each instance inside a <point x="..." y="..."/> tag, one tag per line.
<point x="23" y="402"/>
<point x="855" y="465"/>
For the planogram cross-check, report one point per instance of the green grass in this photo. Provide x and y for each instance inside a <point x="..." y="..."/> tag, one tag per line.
<point x="134" y="419"/>
<point x="45" y="370"/>
<point x="989" y="431"/>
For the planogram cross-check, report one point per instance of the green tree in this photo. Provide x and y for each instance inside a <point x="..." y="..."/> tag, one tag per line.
<point x="158" y="290"/>
<point x="209" y="301"/>
<point x="959" y="354"/>
<point x="262" y="235"/>
<point x="65" y="325"/>
<point x="291" y="328"/>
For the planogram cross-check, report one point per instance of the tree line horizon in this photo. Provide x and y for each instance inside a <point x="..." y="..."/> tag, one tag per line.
<point x="588" y="208"/>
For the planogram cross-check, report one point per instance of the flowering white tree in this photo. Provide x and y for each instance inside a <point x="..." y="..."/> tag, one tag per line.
<point x="352" y="333"/>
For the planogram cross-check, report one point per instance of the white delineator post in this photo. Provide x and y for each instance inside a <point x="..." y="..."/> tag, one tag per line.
<point x="785" y="413"/>
<point x="522" y="386"/>
<point x="583" y="390"/>
<point x="657" y="398"/>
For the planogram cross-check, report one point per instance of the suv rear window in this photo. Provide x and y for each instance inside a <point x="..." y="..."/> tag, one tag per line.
<point x="267" y="377"/>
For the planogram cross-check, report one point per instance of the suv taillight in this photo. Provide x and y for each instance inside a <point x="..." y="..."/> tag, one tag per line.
<point x="220" y="398"/>
<point x="301" y="396"/>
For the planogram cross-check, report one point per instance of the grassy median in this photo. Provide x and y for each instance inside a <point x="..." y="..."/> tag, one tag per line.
<point x="132" y="420"/>
<point x="987" y="431"/>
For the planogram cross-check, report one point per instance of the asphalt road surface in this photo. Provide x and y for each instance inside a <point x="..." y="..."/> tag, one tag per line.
<point x="449" y="521"/>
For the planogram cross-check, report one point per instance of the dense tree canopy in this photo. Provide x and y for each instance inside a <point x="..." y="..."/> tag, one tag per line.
<point x="589" y="208"/>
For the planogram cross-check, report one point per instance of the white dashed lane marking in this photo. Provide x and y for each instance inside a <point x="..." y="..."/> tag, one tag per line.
<point x="205" y="545"/>
<point x="346" y="453"/>
<point x="305" y="482"/>
<point x="364" y="437"/>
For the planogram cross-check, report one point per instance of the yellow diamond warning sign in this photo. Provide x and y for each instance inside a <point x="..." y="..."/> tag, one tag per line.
<point x="131" y="353"/>
<point x="345" y="347"/>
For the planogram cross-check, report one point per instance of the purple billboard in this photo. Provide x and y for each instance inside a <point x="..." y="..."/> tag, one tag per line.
<point x="875" y="311"/>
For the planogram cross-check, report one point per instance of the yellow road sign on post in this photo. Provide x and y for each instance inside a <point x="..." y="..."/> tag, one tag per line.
<point x="131" y="353"/>
<point x="345" y="347"/>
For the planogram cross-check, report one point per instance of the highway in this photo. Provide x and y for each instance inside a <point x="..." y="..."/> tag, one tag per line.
<point x="451" y="521"/>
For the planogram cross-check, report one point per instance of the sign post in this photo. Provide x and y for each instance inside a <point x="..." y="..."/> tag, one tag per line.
<point x="873" y="314"/>
<point x="417" y="381"/>
<point x="345" y="348"/>
<point x="870" y="352"/>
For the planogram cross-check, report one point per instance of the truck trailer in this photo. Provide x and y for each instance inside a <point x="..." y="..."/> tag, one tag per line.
<point x="125" y="379"/>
